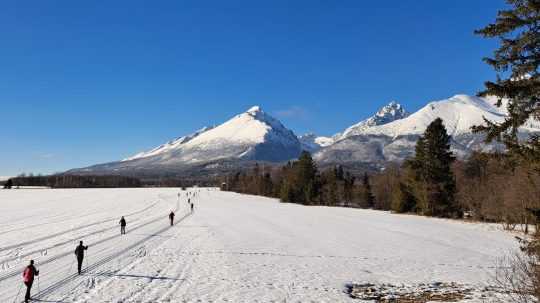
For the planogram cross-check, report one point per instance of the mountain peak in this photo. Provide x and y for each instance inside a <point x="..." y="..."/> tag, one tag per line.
<point x="386" y="114"/>
<point x="254" y="109"/>
<point x="459" y="113"/>
<point x="392" y="109"/>
<point x="253" y="134"/>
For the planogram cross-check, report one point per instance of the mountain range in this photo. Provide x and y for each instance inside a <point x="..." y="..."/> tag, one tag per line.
<point x="255" y="136"/>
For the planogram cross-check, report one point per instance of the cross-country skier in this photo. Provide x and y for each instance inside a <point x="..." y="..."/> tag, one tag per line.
<point x="171" y="218"/>
<point x="28" y="277"/>
<point x="191" y="207"/>
<point x="122" y="226"/>
<point x="79" y="252"/>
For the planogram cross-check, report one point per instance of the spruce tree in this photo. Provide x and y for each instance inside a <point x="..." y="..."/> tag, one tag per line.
<point x="434" y="186"/>
<point x="368" y="197"/>
<point x="348" y="188"/>
<point x="340" y="173"/>
<point x="516" y="64"/>
<point x="267" y="185"/>
<point x="299" y="182"/>
<point x="9" y="184"/>
<point x="331" y="188"/>
<point x="306" y="172"/>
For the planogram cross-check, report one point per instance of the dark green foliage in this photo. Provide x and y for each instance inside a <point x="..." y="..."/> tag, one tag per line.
<point x="434" y="185"/>
<point x="298" y="182"/>
<point x="76" y="181"/>
<point x="407" y="201"/>
<point x="340" y="173"/>
<point x="367" y="195"/>
<point x="348" y="189"/>
<point x="516" y="63"/>
<point x="304" y="179"/>
<point x="9" y="184"/>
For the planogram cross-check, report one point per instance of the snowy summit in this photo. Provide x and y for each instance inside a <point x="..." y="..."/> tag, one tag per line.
<point x="388" y="136"/>
<point x="391" y="112"/>
<point x="252" y="135"/>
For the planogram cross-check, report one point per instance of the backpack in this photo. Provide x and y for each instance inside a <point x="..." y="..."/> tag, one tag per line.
<point x="28" y="274"/>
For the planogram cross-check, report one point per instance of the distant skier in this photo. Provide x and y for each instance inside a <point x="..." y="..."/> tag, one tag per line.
<point x="171" y="218"/>
<point x="28" y="277"/>
<point x="123" y="226"/>
<point x="191" y="207"/>
<point x="189" y="200"/>
<point x="79" y="252"/>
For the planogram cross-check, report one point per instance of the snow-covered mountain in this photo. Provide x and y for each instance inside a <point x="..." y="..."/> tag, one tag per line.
<point x="459" y="113"/>
<point x="313" y="143"/>
<point x="379" y="143"/>
<point x="389" y="113"/>
<point x="389" y="135"/>
<point x="253" y="135"/>
<point x="169" y="146"/>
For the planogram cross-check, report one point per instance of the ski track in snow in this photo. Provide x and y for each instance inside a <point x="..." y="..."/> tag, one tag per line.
<point x="234" y="248"/>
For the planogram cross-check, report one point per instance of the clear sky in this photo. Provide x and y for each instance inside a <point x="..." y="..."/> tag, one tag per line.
<point x="85" y="82"/>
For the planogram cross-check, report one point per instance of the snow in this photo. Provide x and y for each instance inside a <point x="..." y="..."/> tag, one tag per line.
<point x="169" y="146"/>
<point x="391" y="112"/>
<point x="324" y="141"/>
<point x="312" y="143"/>
<point x="233" y="139"/>
<point x="389" y="135"/>
<point x="243" y="128"/>
<point x="459" y="113"/>
<point x="234" y="248"/>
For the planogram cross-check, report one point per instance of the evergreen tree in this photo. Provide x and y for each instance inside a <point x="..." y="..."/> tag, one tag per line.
<point x="267" y="185"/>
<point x="348" y="188"/>
<point x="434" y="185"/>
<point x="516" y="63"/>
<point x="299" y="182"/>
<point x="368" y="197"/>
<point x="256" y="186"/>
<point x="9" y="184"/>
<point x="330" y="196"/>
<point x="340" y="174"/>
<point x="305" y="175"/>
<point x="286" y="193"/>
<point x="403" y="200"/>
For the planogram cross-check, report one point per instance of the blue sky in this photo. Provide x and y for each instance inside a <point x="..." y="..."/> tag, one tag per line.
<point x="85" y="82"/>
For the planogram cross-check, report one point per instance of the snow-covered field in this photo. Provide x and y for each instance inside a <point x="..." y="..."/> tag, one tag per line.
<point x="234" y="248"/>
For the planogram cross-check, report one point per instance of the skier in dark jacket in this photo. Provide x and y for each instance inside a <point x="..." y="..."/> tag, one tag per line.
<point x="28" y="277"/>
<point x="191" y="207"/>
<point x="171" y="218"/>
<point x="79" y="252"/>
<point x="123" y="226"/>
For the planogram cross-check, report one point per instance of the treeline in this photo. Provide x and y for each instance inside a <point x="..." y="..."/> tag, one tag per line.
<point x="485" y="187"/>
<point x="73" y="181"/>
<point x="301" y="182"/>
